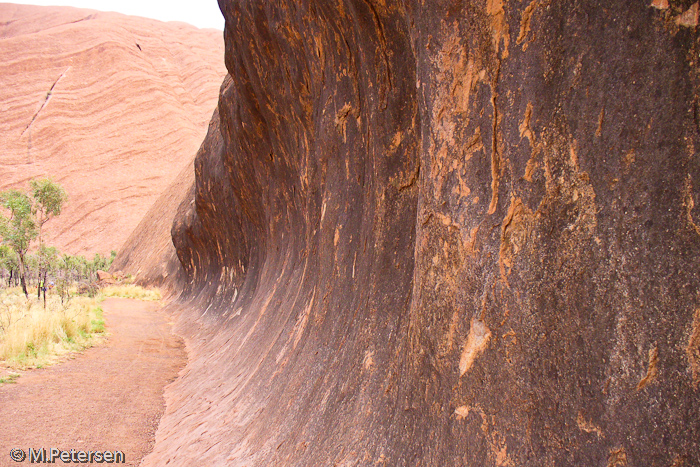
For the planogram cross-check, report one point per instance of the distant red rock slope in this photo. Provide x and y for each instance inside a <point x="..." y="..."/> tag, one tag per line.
<point x="113" y="107"/>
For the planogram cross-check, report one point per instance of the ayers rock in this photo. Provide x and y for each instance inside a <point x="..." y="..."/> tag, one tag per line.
<point x="112" y="107"/>
<point x="443" y="233"/>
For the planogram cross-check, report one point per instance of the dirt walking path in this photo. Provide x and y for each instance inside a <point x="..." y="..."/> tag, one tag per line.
<point x="110" y="398"/>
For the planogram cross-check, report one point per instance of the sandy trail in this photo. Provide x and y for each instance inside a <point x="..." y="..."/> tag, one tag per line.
<point x="108" y="398"/>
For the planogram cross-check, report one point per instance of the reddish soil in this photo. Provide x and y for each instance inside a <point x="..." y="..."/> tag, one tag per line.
<point x="108" y="398"/>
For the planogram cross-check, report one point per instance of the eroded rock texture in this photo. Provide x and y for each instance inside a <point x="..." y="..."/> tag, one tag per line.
<point x="112" y="107"/>
<point x="444" y="233"/>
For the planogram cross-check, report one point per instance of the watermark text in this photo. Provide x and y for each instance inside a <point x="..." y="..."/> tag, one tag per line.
<point x="72" y="456"/>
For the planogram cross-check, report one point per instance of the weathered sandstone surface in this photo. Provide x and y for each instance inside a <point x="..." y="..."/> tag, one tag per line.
<point x="444" y="233"/>
<point x="112" y="107"/>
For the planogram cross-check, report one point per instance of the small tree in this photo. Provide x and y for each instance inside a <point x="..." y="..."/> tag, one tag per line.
<point x="65" y="276"/>
<point x="8" y="262"/>
<point x="19" y="229"/>
<point x="48" y="198"/>
<point x="27" y="216"/>
<point x="47" y="259"/>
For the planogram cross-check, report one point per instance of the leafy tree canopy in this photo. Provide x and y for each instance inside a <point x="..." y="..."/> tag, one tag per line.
<point x="48" y="198"/>
<point x="20" y="228"/>
<point x="47" y="256"/>
<point x="8" y="259"/>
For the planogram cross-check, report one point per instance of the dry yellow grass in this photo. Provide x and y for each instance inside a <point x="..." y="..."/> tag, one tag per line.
<point x="31" y="336"/>
<point x="130" y="291"/>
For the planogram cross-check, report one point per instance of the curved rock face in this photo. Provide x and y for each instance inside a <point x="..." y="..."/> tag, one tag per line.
<point x="123" y="99"/>
<point x="148" y="253"/>
<point x="444" y="233"/>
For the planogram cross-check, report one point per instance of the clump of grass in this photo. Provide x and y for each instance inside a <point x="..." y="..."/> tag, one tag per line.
<point x="131" y="291"/>
<point x="9" y="379"/>
<point x="31" y="336"/>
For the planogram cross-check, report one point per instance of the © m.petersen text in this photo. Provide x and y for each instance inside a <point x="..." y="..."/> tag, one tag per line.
<point x="73" y="456"/>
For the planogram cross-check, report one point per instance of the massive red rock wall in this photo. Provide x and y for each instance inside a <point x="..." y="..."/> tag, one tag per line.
<point x="112" y="107"/>
<point x="444" y="233"/>
<point x="148" y="254"/>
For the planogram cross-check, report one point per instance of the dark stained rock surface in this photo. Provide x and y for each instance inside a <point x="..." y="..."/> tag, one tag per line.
<point x="444" y="233"/>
